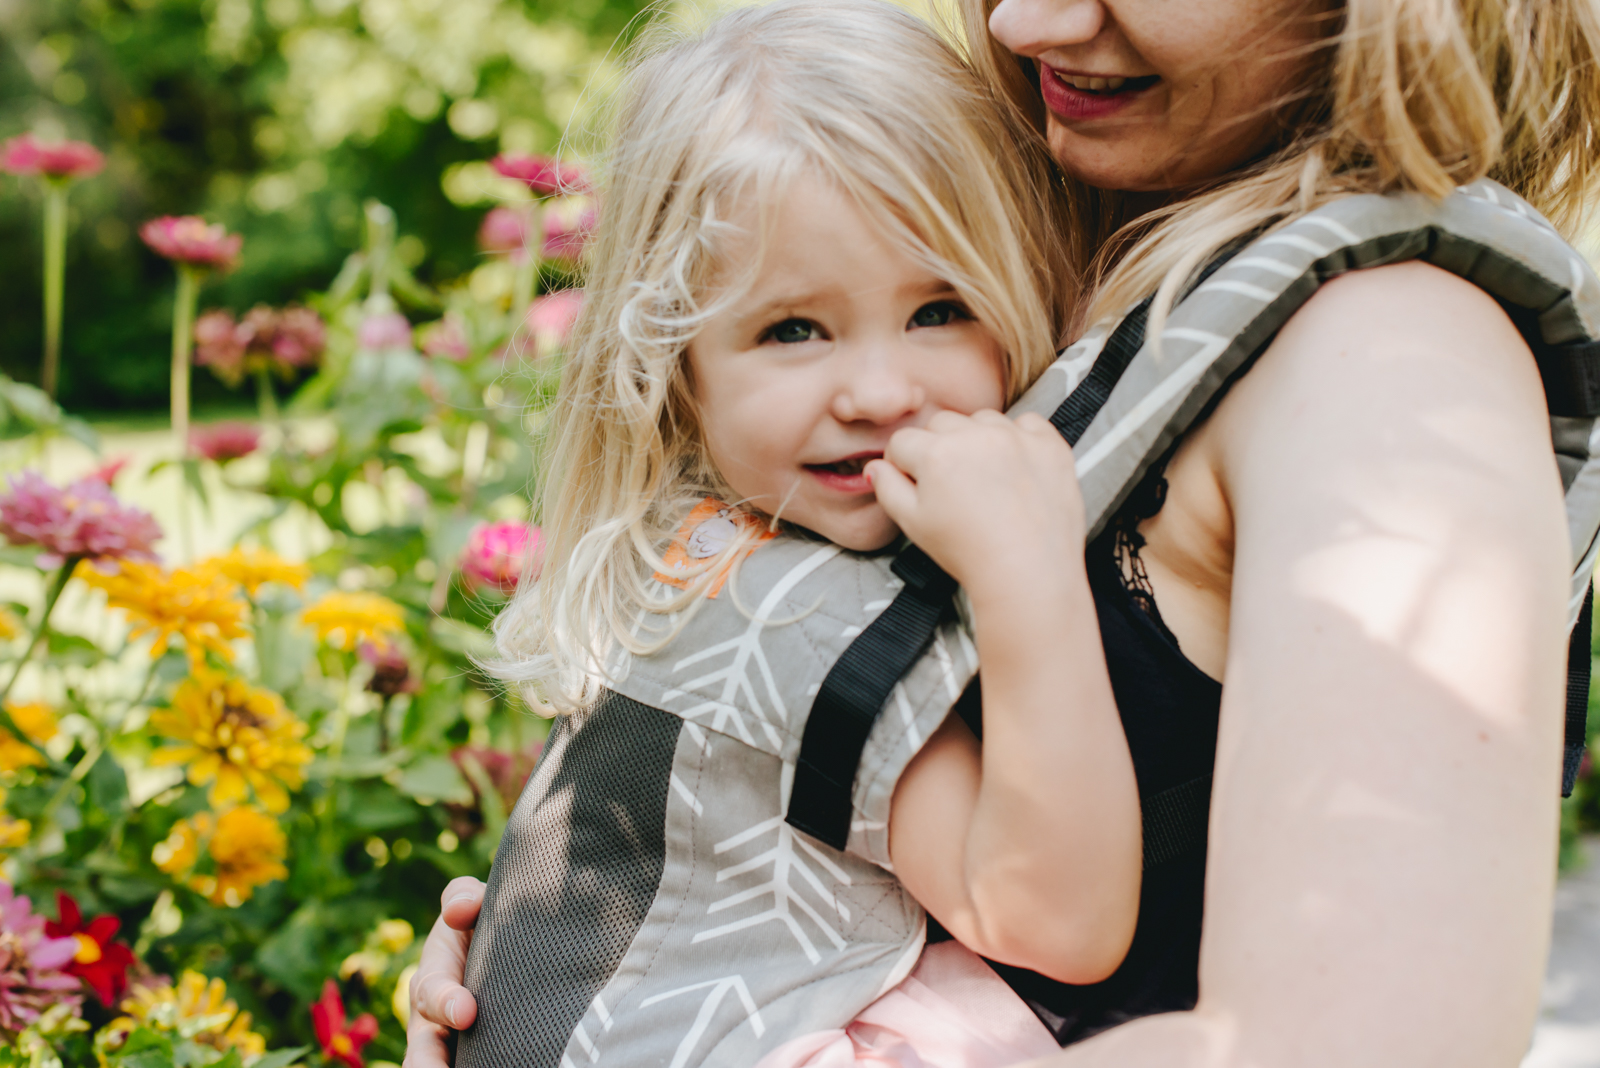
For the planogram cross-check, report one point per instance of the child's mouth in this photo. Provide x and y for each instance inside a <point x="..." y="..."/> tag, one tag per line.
<point x="855" y="465"/>
<point x="847" y="475"/>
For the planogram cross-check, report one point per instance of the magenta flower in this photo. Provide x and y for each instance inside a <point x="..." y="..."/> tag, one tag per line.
<point x="224" y="441"/>
<point x="108" y="471"/>
<point x="391" y="671"/>
<point x="219" y="345"/>
<point x="550" y="319"/>
<point x="64" y="159"/>
<point x="388" y="330"/>
<point x="497" y="554"/>
<point x="446" y="338"/>
<point x="190" y="239"/>
<point x="298" y="337"/>
<point x="84" y="520"/>
<point x="503" y="230"/>
<point x="31" y="979"/>
<point x="545" y="175"/>
<point x="566" y="233"/>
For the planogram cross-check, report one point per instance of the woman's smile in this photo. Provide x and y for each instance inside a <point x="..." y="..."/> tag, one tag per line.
<point x="1076" y="97"/>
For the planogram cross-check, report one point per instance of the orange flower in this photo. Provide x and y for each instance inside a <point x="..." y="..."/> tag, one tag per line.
<point x="235" y="736"/>
<point x="197" y="604"/>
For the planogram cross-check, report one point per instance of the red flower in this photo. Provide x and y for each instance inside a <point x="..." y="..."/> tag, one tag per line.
<point x="339" y="1042"/>
<point x="544" y="175"/>
<point x="68" y="159"/>
<point x="190" y="239"/>
<point x="222" y="442"/>
<point x="101" y="963"/>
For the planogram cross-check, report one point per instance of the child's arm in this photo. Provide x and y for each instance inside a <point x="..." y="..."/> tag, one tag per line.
<point x="1026" y="849"/>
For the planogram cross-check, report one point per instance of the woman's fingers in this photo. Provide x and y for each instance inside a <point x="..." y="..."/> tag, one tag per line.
<point x="460" y="902"/>
<point x="436" y="991"/>
<point x="425" y="1045"/>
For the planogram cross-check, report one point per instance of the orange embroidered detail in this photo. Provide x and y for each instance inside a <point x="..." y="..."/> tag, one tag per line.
<point x="706" y="532"/>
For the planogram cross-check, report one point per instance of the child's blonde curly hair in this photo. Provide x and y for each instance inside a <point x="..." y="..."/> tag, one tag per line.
<point x="858" y="93"/>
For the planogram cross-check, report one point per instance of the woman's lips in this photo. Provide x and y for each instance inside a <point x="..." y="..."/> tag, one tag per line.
<point x="845" y="476"/>
<point x="1077" y="104"/>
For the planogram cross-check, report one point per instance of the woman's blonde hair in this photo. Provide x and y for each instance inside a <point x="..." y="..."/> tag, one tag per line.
<point x="1415" y="95"/>
<point x="857" y="93"/>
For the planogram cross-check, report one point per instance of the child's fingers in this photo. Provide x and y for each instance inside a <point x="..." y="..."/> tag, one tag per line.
<point x="896" y="493"/>
<point x="908" y="449"/>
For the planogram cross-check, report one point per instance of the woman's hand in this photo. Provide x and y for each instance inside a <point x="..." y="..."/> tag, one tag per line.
<point x="993" y="500"/>
<point x="438" y="1000"/>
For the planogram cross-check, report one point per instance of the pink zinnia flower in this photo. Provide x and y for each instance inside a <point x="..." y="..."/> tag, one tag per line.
<point x="389" y="330"/>
<point x="566" y="233"/>
<point x="31" y="979"/>
<point x="497" y="553"/>
<point x="65" y="159"/>
<point x="503" y="230"/>
<point x="190" y="239"/>
<point x="446" y="338"/>
<point x="224" y="441"/>
<point x="550" y="319"/>
<point x="219" y="344"/>
<point x="545" y="175"/>
<point x="85" y="519"/>
<point x="300" y="337"/>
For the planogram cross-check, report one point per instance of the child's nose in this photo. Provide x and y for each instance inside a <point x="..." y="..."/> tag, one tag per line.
<point x="879" y="387"/>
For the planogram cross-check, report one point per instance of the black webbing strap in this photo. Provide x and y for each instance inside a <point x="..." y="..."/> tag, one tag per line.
<point x="860" y="681"/>
<point x="1175" y="820"/>
<point x="1578" y="663"/>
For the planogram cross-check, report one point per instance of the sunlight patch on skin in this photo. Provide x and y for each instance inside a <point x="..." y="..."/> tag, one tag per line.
<point x="1389" y="586"/>
<point x="1353" y="801"/>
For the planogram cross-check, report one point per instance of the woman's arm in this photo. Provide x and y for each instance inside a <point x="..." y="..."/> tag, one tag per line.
<point x="1383" y="828"/>
<point x="1028" y="851"/>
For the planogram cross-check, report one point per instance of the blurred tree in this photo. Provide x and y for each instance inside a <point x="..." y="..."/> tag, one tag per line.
<point x="277" y="118"/>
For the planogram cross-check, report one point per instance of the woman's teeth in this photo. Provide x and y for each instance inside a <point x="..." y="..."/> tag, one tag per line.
<point x="1094" y="85"/>
<point x="1107" y="85"/>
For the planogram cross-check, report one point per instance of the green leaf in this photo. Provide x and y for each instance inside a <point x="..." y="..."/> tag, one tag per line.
<point x="435" y="777"/>
<point x="71" y="649"/>
<point x="280" y="1058"/>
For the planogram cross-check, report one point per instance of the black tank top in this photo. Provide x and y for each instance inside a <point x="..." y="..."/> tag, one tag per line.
<point x="1169" y="711"/>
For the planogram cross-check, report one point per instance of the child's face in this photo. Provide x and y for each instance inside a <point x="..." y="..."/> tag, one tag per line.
<point x="842" y="340"/>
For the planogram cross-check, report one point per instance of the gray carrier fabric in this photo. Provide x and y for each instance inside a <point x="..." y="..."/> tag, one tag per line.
<point x="649" y="904"/>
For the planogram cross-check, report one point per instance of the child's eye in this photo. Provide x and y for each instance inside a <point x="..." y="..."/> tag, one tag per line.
<point x="793" y="331"/>
<point x="939" y="313"/>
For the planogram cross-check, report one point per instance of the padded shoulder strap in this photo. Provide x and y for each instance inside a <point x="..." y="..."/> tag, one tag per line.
<point x="1130" y="398"/>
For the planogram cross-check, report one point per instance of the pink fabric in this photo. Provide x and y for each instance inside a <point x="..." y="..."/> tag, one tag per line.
<point x="952" y="1011"/>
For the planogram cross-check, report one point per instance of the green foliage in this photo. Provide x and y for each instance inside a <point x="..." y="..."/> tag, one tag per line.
<point x="278" y="118"/>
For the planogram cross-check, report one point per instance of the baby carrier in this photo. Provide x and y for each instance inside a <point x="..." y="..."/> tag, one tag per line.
<point x="698" y="869"/>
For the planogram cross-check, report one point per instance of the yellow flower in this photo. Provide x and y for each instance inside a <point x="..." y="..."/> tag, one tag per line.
<point x="393" y="936"/>
<point x="193" y="1004"/>
<point x="233" y="735"/>
<point x="38" y="722"/>
<point x="355" y="617"/>
<point x="13" y="832"/>
<point x="253" y="568"/>
<point x="198" y="604"/>
<point x="246" y="845"/>
<point x="10" y="625"/>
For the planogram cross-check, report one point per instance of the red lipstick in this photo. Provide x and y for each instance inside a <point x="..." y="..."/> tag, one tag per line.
<point x="1085" y="105"/>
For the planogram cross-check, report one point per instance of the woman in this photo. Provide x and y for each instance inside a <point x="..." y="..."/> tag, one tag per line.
<point x="1365" y="540"/>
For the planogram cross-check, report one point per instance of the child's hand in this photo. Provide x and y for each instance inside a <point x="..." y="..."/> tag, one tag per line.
<point x="994" y="501"/>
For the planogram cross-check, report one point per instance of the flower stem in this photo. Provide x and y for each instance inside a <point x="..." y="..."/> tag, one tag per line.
<point x="55" y="270"/>
<point x="266" y="399"/>
<point x="52" y="595"/>
<point x="182" y="335"/>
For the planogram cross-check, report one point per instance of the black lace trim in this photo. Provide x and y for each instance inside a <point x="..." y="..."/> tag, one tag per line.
<point x="1126" y="543"/>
